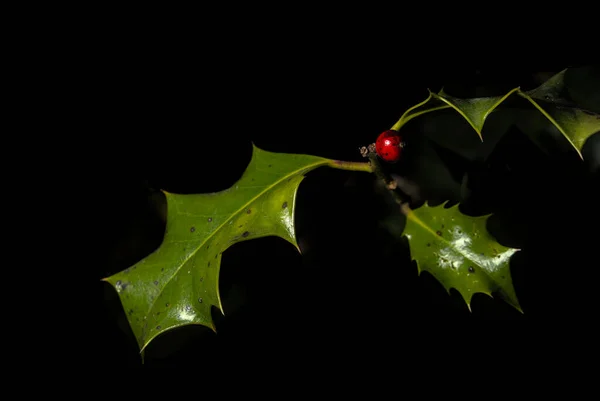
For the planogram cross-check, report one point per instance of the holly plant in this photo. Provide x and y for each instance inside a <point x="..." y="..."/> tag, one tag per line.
<point x="178" y="283"/>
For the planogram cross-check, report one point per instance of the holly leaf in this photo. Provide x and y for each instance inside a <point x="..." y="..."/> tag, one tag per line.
<point x="475" y="111"/>
<point x="459" y="252"/>
<point x="576" y="125"/>
<point x="177" y="284"/>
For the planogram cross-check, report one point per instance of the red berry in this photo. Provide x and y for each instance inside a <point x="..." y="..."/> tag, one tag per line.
<point x="389" y="146"/>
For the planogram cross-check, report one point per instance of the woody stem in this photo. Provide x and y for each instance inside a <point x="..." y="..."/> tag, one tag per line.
<point x="388" y="181"/>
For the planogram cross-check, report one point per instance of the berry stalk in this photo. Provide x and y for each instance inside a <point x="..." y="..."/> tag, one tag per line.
<point x="375" y="166"/>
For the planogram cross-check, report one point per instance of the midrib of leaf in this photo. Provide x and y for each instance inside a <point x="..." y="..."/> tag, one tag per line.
<point x="236" y="213"/>
<point x="552" y="120"/>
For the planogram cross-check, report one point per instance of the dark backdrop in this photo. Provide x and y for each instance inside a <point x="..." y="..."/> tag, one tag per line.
<point x="183" y="120"/>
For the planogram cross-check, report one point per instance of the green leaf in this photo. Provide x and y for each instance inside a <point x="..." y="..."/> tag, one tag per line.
<point x="459" y="252"/>
<point x="474" y="111"/>
<point x="573" y="123"/>
<point x="177" y="284"/>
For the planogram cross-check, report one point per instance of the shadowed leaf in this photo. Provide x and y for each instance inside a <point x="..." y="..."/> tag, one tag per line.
<point x="574" y="124"/>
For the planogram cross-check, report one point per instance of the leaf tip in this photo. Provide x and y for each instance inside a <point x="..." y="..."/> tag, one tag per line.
<point x="220" y="305"/>
<point x="467" y="297"/>
<point x="110" y="280"/>
<point x="511" y="298"/>
<point x="419" y="270"/>
<point x="254" y="147"/>
<point x="445" y="204"/>
<point x="143" y="348"/>
<point x="515" y="304"/>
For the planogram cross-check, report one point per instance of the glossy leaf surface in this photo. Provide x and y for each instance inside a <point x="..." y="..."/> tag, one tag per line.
<point x="177" y="284"/>
<point x="459" y="252"/>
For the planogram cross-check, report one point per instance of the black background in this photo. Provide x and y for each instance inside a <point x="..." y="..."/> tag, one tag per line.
<point x="183" y="119"/>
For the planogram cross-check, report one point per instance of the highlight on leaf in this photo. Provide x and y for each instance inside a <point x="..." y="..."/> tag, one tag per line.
<point x="177" y="284"/>
<point x="459" y="252"/>
<point x="574" y="124"/>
